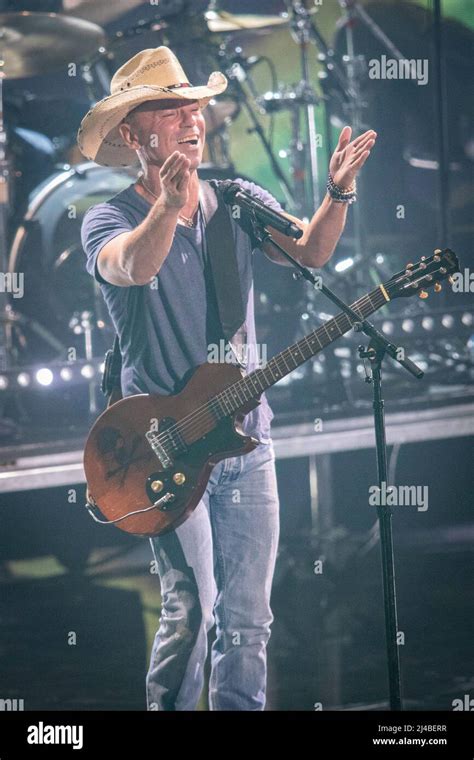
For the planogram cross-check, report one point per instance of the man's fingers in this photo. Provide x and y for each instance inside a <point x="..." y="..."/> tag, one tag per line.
<point x="369" y="135"/>
<point x="367" y="145"/>
<point x="171" y="162"/>
<point x="173" y="167"/>
<point x="175" y="172"/>
<point x="180" y="173"/>
<point x="361" y="160"/>
<point x="178" y="166"/>
<point x="184" y="179"/>
<point x="362" y="144"/>
<point x="344" y="137"/>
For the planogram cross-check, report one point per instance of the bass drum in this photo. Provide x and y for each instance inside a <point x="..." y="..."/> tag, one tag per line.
<point x="59" y="294"/>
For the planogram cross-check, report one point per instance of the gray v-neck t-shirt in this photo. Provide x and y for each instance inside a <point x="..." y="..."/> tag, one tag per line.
<point x="166" y="327"/>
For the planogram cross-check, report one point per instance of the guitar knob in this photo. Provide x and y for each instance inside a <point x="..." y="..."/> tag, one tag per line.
<point x="423" y="294"/>
<point x="179" y="478"/>
<point x="437" y="287"/>
<point x="156" y="486"/>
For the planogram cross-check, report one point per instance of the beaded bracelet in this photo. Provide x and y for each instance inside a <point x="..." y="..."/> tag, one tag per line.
<point x="338" y="193"/>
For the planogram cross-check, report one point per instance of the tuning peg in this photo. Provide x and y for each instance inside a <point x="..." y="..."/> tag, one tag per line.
<point x="409" y="266"/>
<point x="437" y="251"/>
<point x="437" y="287"/>
<point x="423" y="258"/>
<point x="451" y="279"/>
<point x="423" y="294"/>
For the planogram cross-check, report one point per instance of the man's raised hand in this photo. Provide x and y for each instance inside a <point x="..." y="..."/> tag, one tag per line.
<point x="349" y="157"/>
<point x="174" y="180"/>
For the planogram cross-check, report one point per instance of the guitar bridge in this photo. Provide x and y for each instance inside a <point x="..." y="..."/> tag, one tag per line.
<point x="164" y="458"/>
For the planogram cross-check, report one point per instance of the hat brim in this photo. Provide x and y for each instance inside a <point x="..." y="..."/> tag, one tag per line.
<point x="98" y="136"/>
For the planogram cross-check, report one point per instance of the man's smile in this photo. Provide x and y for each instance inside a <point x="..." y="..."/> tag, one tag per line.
<point x="189" y="140"/>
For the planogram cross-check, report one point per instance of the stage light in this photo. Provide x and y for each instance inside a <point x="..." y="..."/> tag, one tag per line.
<point x="466" y="319"/>
<point x="344" y="264"/>
<point x="343" y="352"/>
<point x="346" y="370"/>
<point x="23" y="379"/>
<point x="66" y="374"/>
<point x="282" y="153"/>
<point x="44" y="376"/>
<point x="427" y="323"/>
<point x="408" y="325"/>
<point x="87" y="371"/>
<point x="387" y="327"/>
<point x="447" y="321"/>
<point x="3" y="382"/>
<point x="379" y="258"/>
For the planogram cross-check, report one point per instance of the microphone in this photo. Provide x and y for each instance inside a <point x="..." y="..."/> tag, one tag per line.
<point x="234" y="195"/>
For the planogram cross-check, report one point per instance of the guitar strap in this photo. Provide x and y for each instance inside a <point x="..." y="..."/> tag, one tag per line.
<point x="223" y="265"/>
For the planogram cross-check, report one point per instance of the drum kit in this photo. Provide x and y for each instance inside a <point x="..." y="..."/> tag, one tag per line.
<point x="46" y="186"/>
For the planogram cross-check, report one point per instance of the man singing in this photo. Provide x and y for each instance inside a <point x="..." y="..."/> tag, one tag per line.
<point x="217" y="567"/>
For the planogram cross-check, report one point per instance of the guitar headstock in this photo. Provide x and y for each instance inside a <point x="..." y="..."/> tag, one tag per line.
<point x="426" y="273"/>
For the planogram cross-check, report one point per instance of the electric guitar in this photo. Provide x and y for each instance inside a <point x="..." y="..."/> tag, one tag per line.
<point x="148" y="458"/>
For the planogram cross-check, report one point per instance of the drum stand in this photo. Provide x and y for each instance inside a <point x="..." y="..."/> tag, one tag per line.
<point x="301" y="33"/>
<point x="235" y="70"/>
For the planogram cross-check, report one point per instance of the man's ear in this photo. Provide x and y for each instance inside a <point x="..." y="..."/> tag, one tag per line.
<point x="128" y="136"/>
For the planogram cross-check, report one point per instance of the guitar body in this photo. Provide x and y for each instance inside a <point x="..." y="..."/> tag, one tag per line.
<point x="123" y="472"/>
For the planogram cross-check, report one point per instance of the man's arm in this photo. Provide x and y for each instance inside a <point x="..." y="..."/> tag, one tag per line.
<point x="133" y="258"/>
<point x="322" y="232"/>
<point x="319" y="239"/>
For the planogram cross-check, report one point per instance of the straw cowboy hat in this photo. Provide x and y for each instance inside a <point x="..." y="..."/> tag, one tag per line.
<point x="152" y="74"/>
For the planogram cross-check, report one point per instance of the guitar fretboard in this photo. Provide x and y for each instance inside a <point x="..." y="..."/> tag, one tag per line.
<point x="251" y="386"/>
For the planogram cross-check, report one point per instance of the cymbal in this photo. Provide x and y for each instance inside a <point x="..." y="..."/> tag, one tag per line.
<point x="220" y="21"/>
<point x="99" y="11"/>
<point x="35" y="43"/>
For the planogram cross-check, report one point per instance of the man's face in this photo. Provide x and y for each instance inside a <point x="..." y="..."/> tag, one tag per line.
<point x="159" y="128"/>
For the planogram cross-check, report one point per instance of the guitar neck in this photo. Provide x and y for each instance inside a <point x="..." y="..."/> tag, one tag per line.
<point x="254" y="384"/>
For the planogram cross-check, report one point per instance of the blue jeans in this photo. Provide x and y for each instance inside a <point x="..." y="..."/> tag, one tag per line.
<point x="218" y="567"/>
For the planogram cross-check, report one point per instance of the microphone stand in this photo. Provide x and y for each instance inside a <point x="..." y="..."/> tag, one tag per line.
<point x="377" y="348"/>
